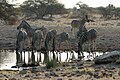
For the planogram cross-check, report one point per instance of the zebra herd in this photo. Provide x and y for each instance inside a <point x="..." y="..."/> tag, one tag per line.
<point x="36" y="37"/>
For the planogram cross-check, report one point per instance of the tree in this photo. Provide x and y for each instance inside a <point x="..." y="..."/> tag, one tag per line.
<point x="40" y="8"/>
<point x="83" y="8"/>
<point x="55" y="9"/>
<point x="117" y="12"/>
<point x="109" y="11"/>
<point x="6" y="11"/>
<point x="103" y="11"/>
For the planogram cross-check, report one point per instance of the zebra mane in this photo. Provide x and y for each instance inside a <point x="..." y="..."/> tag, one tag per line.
<point x="23" y="21"/>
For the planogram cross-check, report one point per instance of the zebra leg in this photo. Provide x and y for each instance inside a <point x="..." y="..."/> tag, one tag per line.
<point x="30" y="41"/>
<point x="73" y="32"/>
<point x="40" y="57"/>
<point x="72" y="55"/>
<point x="79" y="46"/>
<point x="53" y="49"/>
<point x="59" y="45"/>
<point x="18" y="57"/>
<point x="89" y="46"/>
<point x="82" y="54"/>
<point x="24" y="58"/>
<point x="67" y="56"/>
<point x="37" y="56"/>
<point x="33" y="58"/>
<point x="67" y="44"/>
<point x="28" y="57"/>
<point x="24" y="50"/>
<point x="67" y="48"/>
<point x="21" y="56"/>
<point x="20" y="50"/>
<point x="40" y="52"/>
<point x="33" y="45"/>
<point x="89" y="49"/>
<point x="81" y="51"/>
<point x="39" y="45"/>
<point x="60" y="56"/>
<point x="94" y="49"/>
<point x="32" y="54"/>
<point x="57" y="54"/>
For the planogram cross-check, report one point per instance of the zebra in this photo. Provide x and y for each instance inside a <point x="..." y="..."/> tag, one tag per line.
<point x="51" y="35"/>
<point x="37" y="40"/>
<point x="20" y="43"/>
<point x="90" y="37"/>
<point x="50" y="39"/>
<point x="63" y="37"/>
<point x="82" y="30"/>
<point x="30" y="31"/>
<point x="79" y="23"/>
<point x="31" y="35"/>
<point x="44" y="31"/>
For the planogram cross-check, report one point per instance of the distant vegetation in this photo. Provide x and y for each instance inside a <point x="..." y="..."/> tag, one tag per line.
<point x="40" y="8"/>
<point x="7" y="12"/>
<point x="37" y="9"/>
<point x="109" y="12"/>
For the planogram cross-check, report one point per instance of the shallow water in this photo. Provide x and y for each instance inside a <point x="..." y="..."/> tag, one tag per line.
<point x="8" y="58"/>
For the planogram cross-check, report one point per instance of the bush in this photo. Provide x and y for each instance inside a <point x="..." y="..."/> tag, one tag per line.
<point x="41" y="8"/>
<point x="51" y="64"/>
<point x="118" y="24"/>
<point x="13" y="20"/>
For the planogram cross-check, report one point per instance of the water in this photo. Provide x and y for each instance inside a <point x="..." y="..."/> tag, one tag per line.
<point x="8" y="58"/>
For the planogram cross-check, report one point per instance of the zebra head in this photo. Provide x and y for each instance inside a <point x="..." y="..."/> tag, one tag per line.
<point x="24" y="25"/>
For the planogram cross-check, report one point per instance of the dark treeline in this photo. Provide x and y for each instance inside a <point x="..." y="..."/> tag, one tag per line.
<point x="30" y="9"/>
<point x="110" y="11"/>
<point x="41" y="8"/>
<point x="37" y="9"/>
<point x="107" y="12"/>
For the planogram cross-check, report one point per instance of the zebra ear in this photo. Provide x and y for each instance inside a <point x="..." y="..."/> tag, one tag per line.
<point x="22" y="20"/>
<point x="88" y="21"/>
<point x="92" y="20"/>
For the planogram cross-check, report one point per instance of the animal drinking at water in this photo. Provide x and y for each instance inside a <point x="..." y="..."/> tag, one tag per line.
<point x="89" y="36"/>
<point x="20" y="43"/>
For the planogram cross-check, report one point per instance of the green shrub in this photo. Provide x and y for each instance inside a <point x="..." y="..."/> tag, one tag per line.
<point x="51" y="64"/>
<point x="23" y="72"/>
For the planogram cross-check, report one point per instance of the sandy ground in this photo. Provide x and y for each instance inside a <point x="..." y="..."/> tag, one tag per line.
<point x="108" y="38"/>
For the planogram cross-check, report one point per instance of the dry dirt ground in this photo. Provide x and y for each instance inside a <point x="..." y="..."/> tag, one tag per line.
<point x="108" y="34"/>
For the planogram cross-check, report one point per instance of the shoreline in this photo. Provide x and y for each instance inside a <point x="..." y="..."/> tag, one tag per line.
<point x="69" y="70"/>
